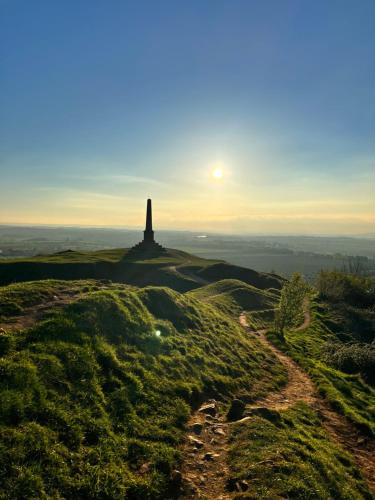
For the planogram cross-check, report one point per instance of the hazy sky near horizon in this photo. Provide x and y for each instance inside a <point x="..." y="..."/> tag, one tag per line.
<point x="106" y="103"/>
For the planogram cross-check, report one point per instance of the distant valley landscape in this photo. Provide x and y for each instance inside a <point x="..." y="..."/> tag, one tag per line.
<point x="281" y="254"/>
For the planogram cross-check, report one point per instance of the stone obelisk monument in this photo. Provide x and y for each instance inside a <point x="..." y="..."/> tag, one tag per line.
<point x="148" y="245"/>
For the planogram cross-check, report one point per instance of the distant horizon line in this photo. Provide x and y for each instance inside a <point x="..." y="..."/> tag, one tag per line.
<point x="198" y="232"/>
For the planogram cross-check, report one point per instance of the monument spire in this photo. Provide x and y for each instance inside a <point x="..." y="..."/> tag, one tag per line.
<point x="149" y="216"/>
<point x="148" y="233"/>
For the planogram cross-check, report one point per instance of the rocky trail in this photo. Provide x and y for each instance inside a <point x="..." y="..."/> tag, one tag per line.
<point x="204" y="473"/>
<point x="205" y="468"/>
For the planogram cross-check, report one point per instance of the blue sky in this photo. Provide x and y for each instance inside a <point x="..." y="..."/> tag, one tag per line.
<point x="104" y="104"/>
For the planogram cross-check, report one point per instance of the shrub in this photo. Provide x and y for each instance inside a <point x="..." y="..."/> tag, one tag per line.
<point x="335" y="286"/>
<point x="353" y="358"/>
<point x="290" y="310"/>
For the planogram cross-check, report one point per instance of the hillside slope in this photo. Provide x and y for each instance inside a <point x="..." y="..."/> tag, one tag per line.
<point x="98" y="381"/>
<point x="95" y="396"/>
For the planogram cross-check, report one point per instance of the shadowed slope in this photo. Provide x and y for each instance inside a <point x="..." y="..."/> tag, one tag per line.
<point x="173" y="268"/>
<point x="223" y="270"/>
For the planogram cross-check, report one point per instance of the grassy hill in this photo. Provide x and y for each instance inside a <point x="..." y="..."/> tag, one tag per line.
<point x="234" y="296"/>
<point x="98" y="379"/>
<point x="176" y="269"/>
<point x="95" y="394"/>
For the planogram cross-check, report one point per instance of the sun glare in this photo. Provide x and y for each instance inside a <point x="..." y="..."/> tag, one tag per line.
<point x="217" y="173"/>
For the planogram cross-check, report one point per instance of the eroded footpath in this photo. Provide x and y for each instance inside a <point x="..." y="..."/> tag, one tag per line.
<point x="205" y="470"/>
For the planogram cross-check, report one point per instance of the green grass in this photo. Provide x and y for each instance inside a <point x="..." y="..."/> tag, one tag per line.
<point x="261" y="320"/>
<point x="94" y="398"/>
<point x="105" y="386"/>
<point x="348" y="394"/>
<point x="166" y="269"/>
<point x="171" y="257"/>
<point x="292" y="457"/>
<point x="233" y="296"/>
<point x="177" y="258"/>
<point x="15" y="298"/>
<point x="70" y="256"/>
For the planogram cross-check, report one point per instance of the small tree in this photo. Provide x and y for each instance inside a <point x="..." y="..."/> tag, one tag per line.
<point x="290" y="311"/>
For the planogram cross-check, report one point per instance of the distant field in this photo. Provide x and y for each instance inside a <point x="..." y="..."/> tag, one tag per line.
<point x="285" y="264"/>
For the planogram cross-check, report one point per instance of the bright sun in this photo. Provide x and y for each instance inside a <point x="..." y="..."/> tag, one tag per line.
<point x="217" y="173"/>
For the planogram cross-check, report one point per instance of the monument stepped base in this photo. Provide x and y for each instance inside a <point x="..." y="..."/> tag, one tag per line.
<point x="143" y="247"/>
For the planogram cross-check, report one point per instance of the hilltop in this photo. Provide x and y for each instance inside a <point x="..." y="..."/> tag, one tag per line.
<point x="178" y="270"/>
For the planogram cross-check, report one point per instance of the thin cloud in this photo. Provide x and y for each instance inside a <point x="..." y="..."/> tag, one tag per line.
<point x="122" y="178"/>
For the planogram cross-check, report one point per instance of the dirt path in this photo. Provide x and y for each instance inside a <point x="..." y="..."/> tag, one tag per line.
<point x="207" y="478"/>
<point x="301" y="388"/>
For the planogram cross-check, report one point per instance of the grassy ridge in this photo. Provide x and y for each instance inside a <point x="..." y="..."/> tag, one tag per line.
<point x="114" y="255"/>
<point x="95" y="398"/>
<point x="223" y="270"/>
<point x="116" y="265"/>
<point x="73" y="256"/>
<point x="175" y="269"/>
<point x="289" y="455"/>
<point x="15" y="298"/>
<point x="233" y="296"/>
